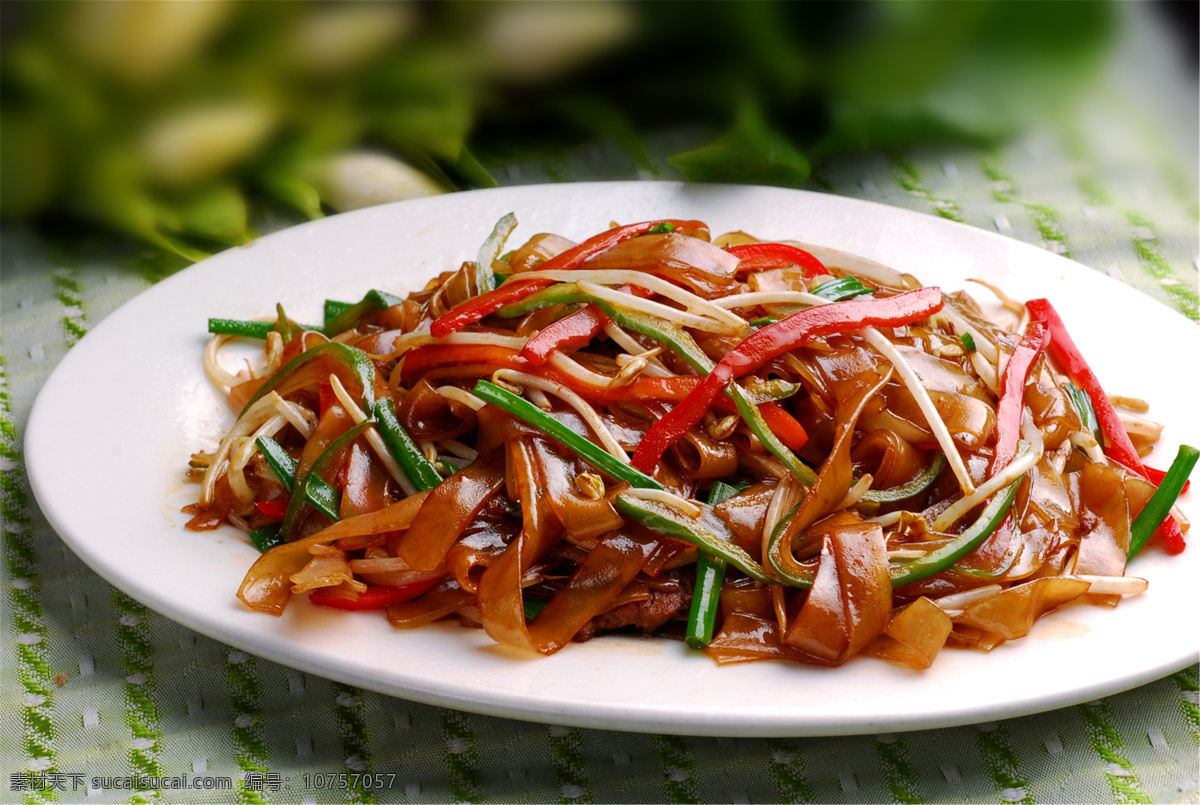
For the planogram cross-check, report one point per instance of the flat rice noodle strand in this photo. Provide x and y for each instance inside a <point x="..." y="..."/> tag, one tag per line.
<point x="593" y="588"/>
<point x="445" y="598"/>
<point x="914" y="637"/>
<point x="707" y="269"/>
<point x="449" y="509"/>
<point x="850" y="602"/>
<point x="430" y="417"/>
<point x="366" y="484"/>
<point x="833" y="482"/>
<point x="746" y="514"/>
<point x="1104" y="548"/>
<point x="333" y="424"/>
<point x="266" y="587"/>
<point x="1011" y="614"/>
<point x="500" y="598"/>
<point x="890" y="459"/>
<point x="583" y="518"/>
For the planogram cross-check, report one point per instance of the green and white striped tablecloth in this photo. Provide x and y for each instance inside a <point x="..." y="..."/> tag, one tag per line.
<point x="94" y="685"/>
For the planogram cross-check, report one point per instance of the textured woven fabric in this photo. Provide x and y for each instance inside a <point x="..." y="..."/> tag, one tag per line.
<point x="95" y="685"/>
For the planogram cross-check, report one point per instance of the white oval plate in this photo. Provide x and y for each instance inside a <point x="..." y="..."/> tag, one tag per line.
<point x="111" y="431"/>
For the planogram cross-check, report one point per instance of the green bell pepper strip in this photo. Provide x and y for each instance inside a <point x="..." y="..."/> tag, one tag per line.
<point x="266" y="538"/>
<point x="1158" y="508"/>
<point x="710" y="575"/>
<point x="762" y="321"/>
<point x="913" y="570"/>
<point x="1087" y="415"/>
<point x="708" y="532"/>
<point x="353" y="359"/>
<point x="841" y="288"/>
<point x="968" y="341"/>
<point x="1009" y="560"/>
<point x="771" y="391"/>
<point x="349" y="317"/>
<point x="676" y="339"/>
<point x="914" y="487"/>
<point x="333" y="307"/>
<point x="320" y="494"/>
<point x="419" y="470"/>
<point x="909" y="571"/>
<point x="299" y="498"/>
<point x="596" y="456"/>
<point x="711" y="535"/>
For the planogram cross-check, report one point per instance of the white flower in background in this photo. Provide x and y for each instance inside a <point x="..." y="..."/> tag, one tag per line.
<point x="530" y="42"/>
<point x="197" y="143"/>
<point x="334" y="40"/>
<point x="142" y="43"/>
<point x="360" y="179"/>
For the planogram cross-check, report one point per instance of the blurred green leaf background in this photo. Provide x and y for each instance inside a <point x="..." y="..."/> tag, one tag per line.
<point x="174" y="121"/>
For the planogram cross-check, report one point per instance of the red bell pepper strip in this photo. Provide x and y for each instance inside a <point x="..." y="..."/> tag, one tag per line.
<point x="765" y="256"/>
<point x="774" y="340"/>
<point x="576" y="256"/>
<point x="573" y="331"/>
<point x="1012" y="401"/>
<point x="275" y="509"/>
<point x="516" y="289"/>
<point x="480" y="360"/>
<point x="477" y="307"/>
<point x="325" y="397"/>
<point x="373" y="597"/>
<point x="784" y="425"/>
<point x="1119" y="448"/>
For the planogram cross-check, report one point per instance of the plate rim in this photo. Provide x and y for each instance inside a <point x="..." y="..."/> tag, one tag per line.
<point x="182" y="614"/>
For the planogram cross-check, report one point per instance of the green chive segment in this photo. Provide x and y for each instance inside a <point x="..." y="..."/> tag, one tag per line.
<point x="419" y="470"/>
<point x="532" y="415"/>
<point x="1158" y="508"/>
<point x="321" y="495"/>
<point x="914" y="487"/>
<point x="710" y="575"/>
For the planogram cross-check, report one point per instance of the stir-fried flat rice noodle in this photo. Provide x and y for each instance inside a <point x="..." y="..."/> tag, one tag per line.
<point x="775" y="451"/>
